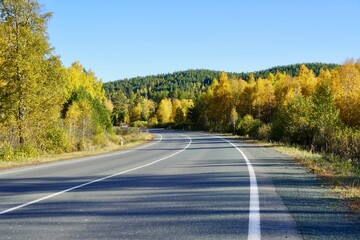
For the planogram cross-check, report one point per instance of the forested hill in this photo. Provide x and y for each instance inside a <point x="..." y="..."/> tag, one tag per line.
<point x="187" y="84"/>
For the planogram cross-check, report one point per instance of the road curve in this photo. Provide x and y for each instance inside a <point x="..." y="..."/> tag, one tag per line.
<point x="183" y="185"/>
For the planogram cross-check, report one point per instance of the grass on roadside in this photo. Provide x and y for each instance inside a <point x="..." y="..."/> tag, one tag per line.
<point x="129" y="140"/>
<point x="342" y="177"/>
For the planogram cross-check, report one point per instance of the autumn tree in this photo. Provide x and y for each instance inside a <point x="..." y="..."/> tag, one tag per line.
<point x="222" y="97"/>
<point x="148" y="109"/>
<point x="237" y="89"/>
<point x="202" y="113"/>
<point x="259" y="100"/>
<point x="182" y="108"/>
<point x="233" y="118"/>
<point x="263" y="98"/>
<point x="164" y="110"/>
<point x="346" y="87"/>
<point x="247" y="97"/>
<point x="325" y="116"/>
<point x="293" y="122"/>
<point x="176" y="108"/>
<point x="135" y="113"/>
<point x="78" y="77"/>
<point x="30" y="96"/>
<point x="307" y="81"/>
<point x="85" y="118"/>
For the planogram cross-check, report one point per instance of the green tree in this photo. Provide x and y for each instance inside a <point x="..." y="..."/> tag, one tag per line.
<point x="293" y="122"/>
<point x="325" y="116"/>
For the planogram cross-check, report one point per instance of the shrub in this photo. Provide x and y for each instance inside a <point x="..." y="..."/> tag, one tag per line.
<point x="113" y="137"/>
<point x="344" y="143"/>
<point x="99" y="139"/>
<point x="140" y="124"/>
<point x="57" y="141"/>
<point x="153" y="121"/>
<point x="264" y="132"/>
<point x="7" y="152"/>
<point x="127" y="130"/>
<point x="248" y="126"/>
<point x="26" y="151"/>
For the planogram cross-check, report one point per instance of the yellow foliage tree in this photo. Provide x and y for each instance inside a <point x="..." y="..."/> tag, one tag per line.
<point x="222" y="97"/>
<point x="264" y="99"/>
<point x="247" y="97"/>
<point x="78" y="77"/>
<point x="30" y="97"/>
<point x="176" y="104"/>
<point x="346" y="88"/>
<point x="148" y="109"/>
<point x="307" y="80"/>
<point x="237" y="89"/>
<point x="164" y="110"/>
<point x="135" y="113"/>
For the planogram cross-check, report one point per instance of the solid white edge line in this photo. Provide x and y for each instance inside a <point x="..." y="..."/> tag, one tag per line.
<point x="82" y="159"/>
<point x="254" y="232"/>
<point x="95" y="181"/>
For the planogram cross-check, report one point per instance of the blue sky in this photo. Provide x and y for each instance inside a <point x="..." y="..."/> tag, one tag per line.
<point x="127" y="38"/>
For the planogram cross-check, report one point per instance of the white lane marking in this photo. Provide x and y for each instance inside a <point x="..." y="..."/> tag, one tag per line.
<point x="254" y="232"/>
<point x="95" y="181"/>
<point x="69" y="161"/>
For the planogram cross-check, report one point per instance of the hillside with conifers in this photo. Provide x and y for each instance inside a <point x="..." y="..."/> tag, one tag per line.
<point x="188" y="84"/>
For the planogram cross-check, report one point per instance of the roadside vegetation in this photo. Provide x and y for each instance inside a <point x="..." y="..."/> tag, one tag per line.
<point x="342" y="177"/>
<point x="123" y="139"/>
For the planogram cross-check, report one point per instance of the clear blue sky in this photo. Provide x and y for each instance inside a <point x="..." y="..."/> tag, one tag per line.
<point x="126" y="38"/>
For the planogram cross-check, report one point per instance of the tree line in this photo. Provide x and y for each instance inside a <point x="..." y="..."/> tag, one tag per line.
<point x="188" y="84"/>
<point x="319" y="112"/>
<point x="44" y="106"/>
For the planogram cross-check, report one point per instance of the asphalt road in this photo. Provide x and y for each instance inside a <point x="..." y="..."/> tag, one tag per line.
<point x="183" y="185"/>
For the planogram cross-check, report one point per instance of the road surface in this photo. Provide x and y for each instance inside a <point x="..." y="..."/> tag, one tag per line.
<point x="182" y="185"/>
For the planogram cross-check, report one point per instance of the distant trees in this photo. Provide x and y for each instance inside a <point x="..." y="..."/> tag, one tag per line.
<point x="189" y="84"/>
<point x="310" y="109"/>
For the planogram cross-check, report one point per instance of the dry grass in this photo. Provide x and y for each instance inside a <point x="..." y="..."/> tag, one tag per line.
<point x="339" y="174"/>
<point x="129" y="141"/>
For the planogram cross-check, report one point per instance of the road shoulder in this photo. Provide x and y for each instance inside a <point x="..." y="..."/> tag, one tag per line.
<point x="318" y="213"/>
